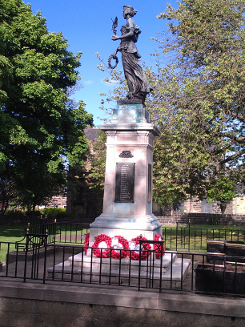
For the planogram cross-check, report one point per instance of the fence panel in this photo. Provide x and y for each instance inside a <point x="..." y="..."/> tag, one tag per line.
<point x="182" y="271"/>
<point x="195" y="239"/>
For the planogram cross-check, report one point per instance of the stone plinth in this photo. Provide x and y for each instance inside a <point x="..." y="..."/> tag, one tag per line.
<point x="107" y="270"/>
<point x="127" y="205"/>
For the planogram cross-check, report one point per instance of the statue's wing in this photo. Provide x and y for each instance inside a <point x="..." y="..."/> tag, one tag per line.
<point x="114" y="24"/>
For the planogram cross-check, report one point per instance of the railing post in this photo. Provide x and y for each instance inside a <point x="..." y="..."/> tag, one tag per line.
<point x="27" y="236"/>
<point x="54" y="240"/>
<point x="192" y="269"/>
<point x="7" y="260"/>
<point x="45" y="263"/>
<point x="165" y="236"/>
<point x="27" y="245"/>
<point x="139" y="263"/>
<point x="46" y="236"/>
<point x="160" y="286"/>
<point x="176" y="238"/>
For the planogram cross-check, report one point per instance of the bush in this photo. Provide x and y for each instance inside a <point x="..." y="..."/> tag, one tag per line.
<point x="58" y="212"/>
<point x="15" y="212"/>
<point x="214" y="220"/>
<point x="33" y="213"/>
<point x="64" y="214"/>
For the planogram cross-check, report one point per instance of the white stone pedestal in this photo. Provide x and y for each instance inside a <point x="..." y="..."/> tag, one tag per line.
<point x="91" y="269"/>
<point x="127" y="205"/>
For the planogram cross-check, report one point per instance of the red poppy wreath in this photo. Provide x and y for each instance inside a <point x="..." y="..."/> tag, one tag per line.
<point x="157" y="247"/>
<point x="145" y="250"/>
<point x="86" y="242"/>
<point x="102" y="246"/>
<point x="119" y="247"/>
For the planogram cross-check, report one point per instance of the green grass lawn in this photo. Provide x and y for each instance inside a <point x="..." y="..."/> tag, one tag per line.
<point x="10" y="234"/>
<point x="69" y="234"/>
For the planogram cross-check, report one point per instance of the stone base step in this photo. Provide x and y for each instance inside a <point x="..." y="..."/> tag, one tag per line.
<point x="126" y="264"/>
<point x="173" y="270"/>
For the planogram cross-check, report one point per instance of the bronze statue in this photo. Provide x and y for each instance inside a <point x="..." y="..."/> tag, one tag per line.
<point x="137" y="83"/>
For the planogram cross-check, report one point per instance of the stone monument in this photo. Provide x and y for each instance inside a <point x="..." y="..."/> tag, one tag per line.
<point x="127" y="205"/>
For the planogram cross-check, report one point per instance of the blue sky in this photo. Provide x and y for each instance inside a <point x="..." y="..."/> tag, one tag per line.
<point x="87" y="27"/>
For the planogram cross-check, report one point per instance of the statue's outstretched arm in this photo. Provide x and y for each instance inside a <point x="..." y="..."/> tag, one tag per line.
<point x="127" y="35"/>
<point x="130" y="26"/>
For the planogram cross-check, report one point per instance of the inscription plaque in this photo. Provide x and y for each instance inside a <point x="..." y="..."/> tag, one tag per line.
<point x="125" y="174"/>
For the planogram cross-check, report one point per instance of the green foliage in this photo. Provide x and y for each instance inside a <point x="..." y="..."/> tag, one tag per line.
<point x="15" y="213"/>
<point x="214" y="220"/>
<point x="96" y="175"/>
<point x="223" y="189"/>
<point x="204" y="90"/>
<point x="180" y="153"/>
<point x="57" y="212"/>
<point x="35" y="213"/>
<point x="39" y="125"/>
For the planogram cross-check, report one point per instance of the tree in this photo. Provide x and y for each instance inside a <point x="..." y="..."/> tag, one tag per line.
<point x="96" y="173"/>
<point x="39" y="125"/>
<point x="209" y="46"/>
<point x="206" y="84"/>
<point x="7" y="194"/>
<point x="180" y="153"/>
<point x="223" y="189"/>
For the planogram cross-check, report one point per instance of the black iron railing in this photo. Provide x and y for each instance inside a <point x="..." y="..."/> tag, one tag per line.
<point x="189" y="238"/>
<point x="182" y="271"/>
<point x="61" y="232"/>
<point x="178" y="238"/>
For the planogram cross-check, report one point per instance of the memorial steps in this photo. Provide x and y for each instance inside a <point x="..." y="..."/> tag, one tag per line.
<point x="85" y="268"/>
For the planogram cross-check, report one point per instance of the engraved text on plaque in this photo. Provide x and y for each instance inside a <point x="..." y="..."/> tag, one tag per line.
<point x="124" y="191"/>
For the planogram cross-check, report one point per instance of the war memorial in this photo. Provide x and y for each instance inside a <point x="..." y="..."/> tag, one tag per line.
<point x="125" y="245"/>
<point x="127" y="216"/>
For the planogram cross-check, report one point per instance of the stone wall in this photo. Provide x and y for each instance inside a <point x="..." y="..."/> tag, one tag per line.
<point x="239" y="205"/>
<point x="18" y="220"/>
<point x="24" y="220"/>
<point x="203" y="219"/>
<point x="64" y="304"/>
<point x="193" y="218"/>
<point x="194" y="205"/>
